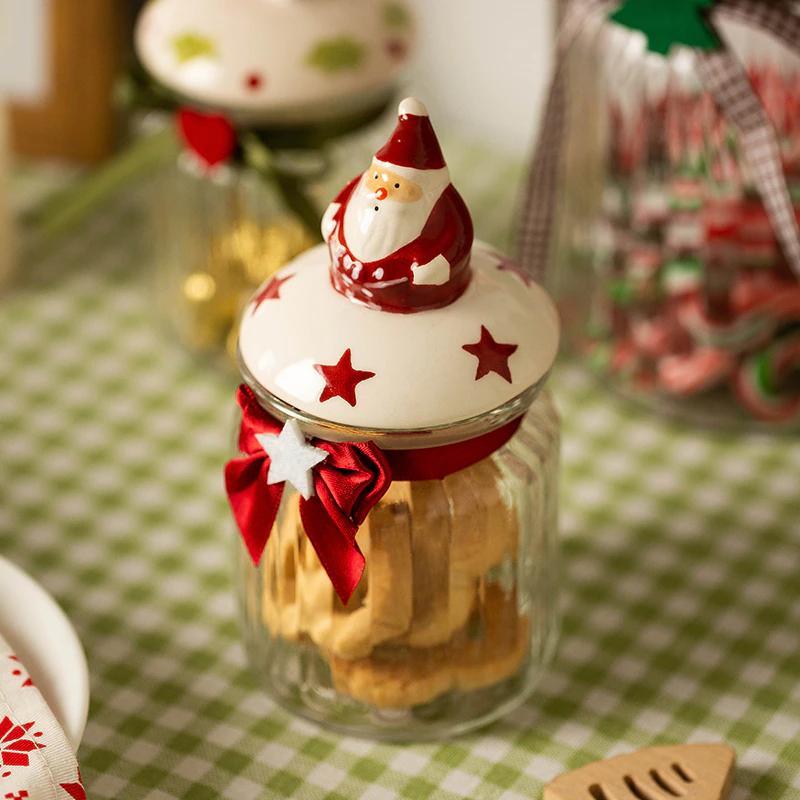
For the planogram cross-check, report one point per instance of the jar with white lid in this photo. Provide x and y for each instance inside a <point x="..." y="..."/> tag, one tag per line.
<point x="396" y="482"/>
<point x="672" y="278"/>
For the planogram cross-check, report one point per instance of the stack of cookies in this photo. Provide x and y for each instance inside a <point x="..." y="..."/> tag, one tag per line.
<point x="438" y="607"/>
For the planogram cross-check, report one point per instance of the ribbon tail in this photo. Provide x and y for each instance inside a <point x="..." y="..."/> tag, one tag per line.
<point x="726" y="79"/>
<point x="540" y="192"/>
<point x="779" y="18"/>
<point x="337" y="551"/>
<point x="253" y="501"/>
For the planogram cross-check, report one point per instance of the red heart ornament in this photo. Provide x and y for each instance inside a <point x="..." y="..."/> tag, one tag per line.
<point x="211" y="137"/>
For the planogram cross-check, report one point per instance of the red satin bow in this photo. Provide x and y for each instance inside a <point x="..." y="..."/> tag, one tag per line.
<point x="347" y="484"/>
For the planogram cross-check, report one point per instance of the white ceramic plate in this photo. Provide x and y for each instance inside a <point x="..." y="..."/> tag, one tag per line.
<point x="53" y="654"/>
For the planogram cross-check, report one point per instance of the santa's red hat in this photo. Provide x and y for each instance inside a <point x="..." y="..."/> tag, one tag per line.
<point x="413" y="143"/>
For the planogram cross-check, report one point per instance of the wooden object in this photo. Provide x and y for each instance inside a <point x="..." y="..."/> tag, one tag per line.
<point x="688" y="771"/>
<point x="76" y="119"/>
<point x="6" y="219"/>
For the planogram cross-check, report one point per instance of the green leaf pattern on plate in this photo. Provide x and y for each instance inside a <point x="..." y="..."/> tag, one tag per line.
<point x="190" y="45"/>
<point x="396" y="15"/>
<point x="337" y="54"/>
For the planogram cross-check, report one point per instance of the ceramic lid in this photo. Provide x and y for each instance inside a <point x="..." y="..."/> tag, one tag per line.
<point x="400" y="321"/>
<point x="276" y="60"/>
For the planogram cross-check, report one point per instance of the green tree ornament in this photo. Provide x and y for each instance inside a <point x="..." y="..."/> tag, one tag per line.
<point x="669" y="22"/>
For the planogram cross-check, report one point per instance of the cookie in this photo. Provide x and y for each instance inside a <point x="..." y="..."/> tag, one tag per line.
<point x="401" y="677"/>
<point x="386" y="610"/>
<point x="484" y="529"/>
<point x="279" y="606"/>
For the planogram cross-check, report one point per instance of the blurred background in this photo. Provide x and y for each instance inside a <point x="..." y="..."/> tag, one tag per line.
<point x="483" y="74"/>
<point x="671" y="281"/>
<point x="82" y="116"/>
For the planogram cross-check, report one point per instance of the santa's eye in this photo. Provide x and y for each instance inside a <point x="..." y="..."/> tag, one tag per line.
<point x="397" y="186"/>
<point x="375" y="176"/>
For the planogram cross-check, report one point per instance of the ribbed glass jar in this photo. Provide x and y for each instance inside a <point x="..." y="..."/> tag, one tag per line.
<point x="456" y="614"/>
<point x="670" y="280"/>
<point x="218" y="235"/>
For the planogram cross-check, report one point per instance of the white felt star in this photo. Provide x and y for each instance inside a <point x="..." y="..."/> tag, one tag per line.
<point x="291" y="459"/>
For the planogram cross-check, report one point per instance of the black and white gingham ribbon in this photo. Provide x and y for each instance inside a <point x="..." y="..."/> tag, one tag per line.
<point x="541" y="189"/>
<point x="723" y="76"/>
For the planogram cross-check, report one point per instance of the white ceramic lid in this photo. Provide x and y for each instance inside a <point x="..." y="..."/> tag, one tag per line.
<point x="423" y="375"/>
<point x="276" y="60"/>
<point x="399" y="321"/>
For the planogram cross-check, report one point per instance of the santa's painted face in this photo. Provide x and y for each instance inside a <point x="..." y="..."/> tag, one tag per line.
<point x="389" y="208"/>
<point x="389" y="185"/>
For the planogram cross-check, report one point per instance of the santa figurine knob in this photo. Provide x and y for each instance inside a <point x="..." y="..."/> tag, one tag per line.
<point x="400" y="235"/>
<point x="399" y="321"/>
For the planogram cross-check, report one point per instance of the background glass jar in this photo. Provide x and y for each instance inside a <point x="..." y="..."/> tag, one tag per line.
<point x="670" y="279"/>
<point x="220" y="232"/>
<point x="456" y="614"/>
<point x="218" y="235"/>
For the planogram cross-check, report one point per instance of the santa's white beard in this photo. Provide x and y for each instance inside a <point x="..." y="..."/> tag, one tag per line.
<point x="372" y="235"/>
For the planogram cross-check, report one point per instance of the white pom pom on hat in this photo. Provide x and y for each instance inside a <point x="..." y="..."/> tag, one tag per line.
<point x="413" y="143"/>
<point x="413" y="107"/>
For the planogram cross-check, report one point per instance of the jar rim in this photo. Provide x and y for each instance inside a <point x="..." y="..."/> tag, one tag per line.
<point x="388" y="439"/>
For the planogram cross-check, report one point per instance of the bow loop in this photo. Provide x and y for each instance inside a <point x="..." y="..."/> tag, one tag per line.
<point x="253" y="501"/>
<point x="255" y="420"/>
<point x="348" y="483"/>
<point x="352" y="479"/>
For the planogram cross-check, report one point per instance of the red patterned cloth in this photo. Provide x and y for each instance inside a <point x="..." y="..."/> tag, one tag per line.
<point x="36" y="760"/>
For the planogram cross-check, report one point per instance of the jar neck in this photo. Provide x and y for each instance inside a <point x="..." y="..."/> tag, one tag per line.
<point x="410" y="439"/>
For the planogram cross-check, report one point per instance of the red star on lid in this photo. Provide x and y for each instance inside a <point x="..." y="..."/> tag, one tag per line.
<point x="341" y="379"/>
<point x="272" y="291"/>
<point x="492" y="356"/>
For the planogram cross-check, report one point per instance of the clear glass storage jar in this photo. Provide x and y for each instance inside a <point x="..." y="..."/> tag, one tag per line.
<point x="396" y="481"/>
<point x="217" y="237"/>
<point x="669" y="277"/>
<point x="456" y="613"/>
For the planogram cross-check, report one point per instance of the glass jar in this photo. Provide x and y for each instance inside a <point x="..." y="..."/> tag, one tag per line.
<point x="671" y="282"/>
<point x="260" y="98"/>
<point x="218" y="235"/>
<point x="455" y="615"/>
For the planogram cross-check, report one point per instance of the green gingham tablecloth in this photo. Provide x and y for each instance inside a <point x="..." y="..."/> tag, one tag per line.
<point x="680" y="590"/>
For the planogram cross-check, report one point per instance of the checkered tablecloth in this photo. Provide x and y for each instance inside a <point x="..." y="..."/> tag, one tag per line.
<point x="681" y="587"/>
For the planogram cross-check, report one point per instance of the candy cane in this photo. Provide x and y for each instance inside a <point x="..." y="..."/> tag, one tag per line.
<point x="758" y="380"/>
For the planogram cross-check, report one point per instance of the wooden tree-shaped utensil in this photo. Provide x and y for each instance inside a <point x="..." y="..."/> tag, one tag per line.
<point x="686" y="771"/>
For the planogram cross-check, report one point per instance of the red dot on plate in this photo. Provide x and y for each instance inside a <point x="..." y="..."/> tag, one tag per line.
<point x="17" y="672"/>
<point x="38" y="733"/>
<point x="397" y="49"/>
<point x="254" y="81"/>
